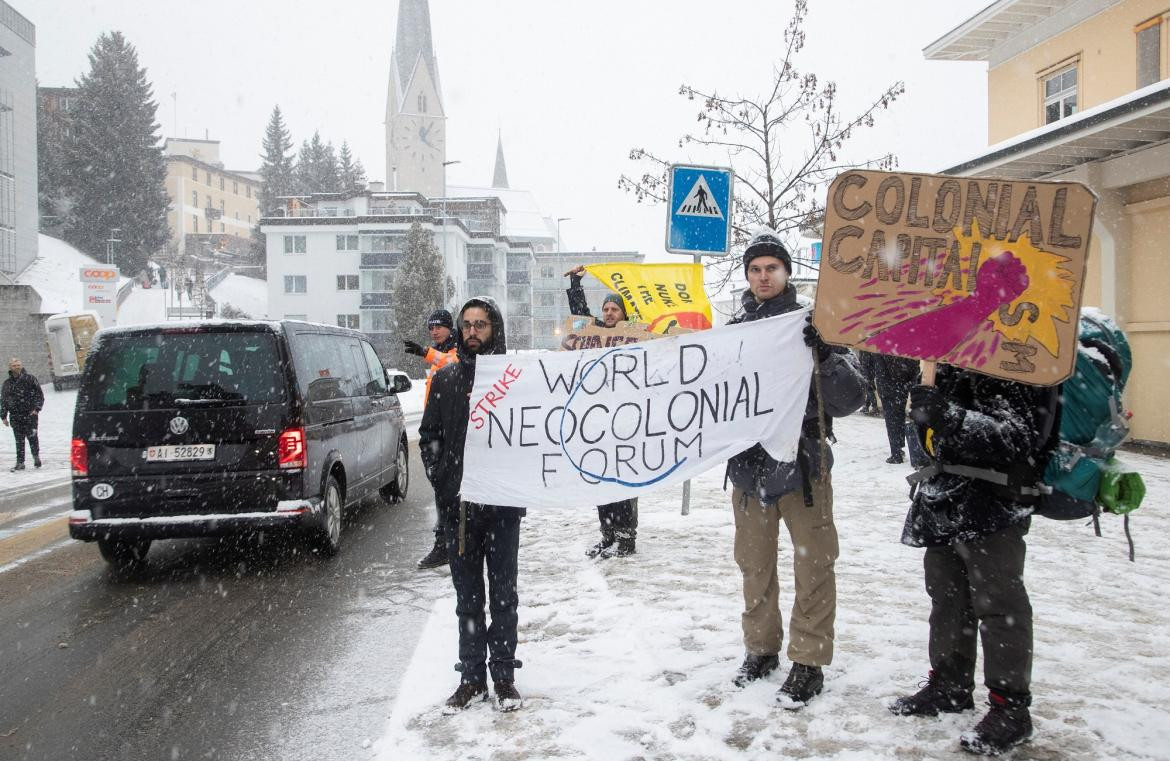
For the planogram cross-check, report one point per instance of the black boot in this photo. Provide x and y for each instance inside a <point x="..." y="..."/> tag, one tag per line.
<point x="464" y="695"/>
<point x="437" y="557"/>
<point x="621" y="548"/>
<point x="1006" y="725"/>
<point x="607" y="541"/>
<point x="802" y="685"/>
<point x="36" y="461"/>
<point x="754" y="667"/>
<point x="507" y="697"/>
<point x="897" y="458"/>
<point x="16" y="467"/>
<point x="935" y="697"/>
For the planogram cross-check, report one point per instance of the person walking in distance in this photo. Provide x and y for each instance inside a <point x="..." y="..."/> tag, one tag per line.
<point x="21" y="400"/>
<point x="476" y="535"/>
<point x="618" y="520"/>
<point x="439" y="354"/>
<point x="798" y="493"/>
<point x="973" y="531"/>
<point x="895" y="376"/>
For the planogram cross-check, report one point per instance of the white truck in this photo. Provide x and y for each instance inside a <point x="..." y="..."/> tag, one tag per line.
<point x="68" y="336"/>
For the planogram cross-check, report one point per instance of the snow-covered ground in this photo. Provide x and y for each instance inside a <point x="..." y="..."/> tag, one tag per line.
<point x="248" y="294"/>
<point x="144" y="306"/>
<point x="56" y="275"/>
<point x="632" y="658"/>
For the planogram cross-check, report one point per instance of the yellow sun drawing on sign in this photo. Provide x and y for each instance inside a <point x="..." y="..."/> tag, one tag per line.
<point x="1051" y="287"/>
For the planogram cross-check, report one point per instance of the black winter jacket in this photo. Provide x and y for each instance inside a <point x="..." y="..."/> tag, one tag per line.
<point x="753" y="470"/>
<point x="443" y="430"/>
<point x="21" y="395"/>
<point x="993" y="424"/>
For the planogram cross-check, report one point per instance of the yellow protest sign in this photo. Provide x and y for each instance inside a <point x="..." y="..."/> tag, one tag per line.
<point x="660" y="295"/>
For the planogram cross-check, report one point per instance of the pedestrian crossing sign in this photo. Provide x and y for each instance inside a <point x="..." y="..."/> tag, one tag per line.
<point x="699" y="214"/>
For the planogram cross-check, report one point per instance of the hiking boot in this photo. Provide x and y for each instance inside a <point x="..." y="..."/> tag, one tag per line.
<point x="619" y="549"/>
<point x="755" y="667"/>
<point x="36" y="461"/>
<point x="464" y="695"/>
<point x="1006" y="725"/>
<point x="16" y="467"/>
<point x="897" y="458"/>
<point x="934" y="698"/>
<point x="802" y="685"/>
<point x="607" y="541"/>
<point x="436" y="558"/>
<point x="507" y="698"/>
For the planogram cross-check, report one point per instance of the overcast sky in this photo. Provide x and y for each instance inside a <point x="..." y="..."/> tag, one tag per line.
<point x="572" y="86"/>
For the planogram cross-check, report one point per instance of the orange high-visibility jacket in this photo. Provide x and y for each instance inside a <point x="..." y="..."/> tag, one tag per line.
<point x="437" y="360"/>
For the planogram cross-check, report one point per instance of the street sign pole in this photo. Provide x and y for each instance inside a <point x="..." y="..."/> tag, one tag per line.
<point x="698" y="222"/>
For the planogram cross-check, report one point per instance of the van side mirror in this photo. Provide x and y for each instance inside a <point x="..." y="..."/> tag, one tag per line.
<point x="398" y="382"/>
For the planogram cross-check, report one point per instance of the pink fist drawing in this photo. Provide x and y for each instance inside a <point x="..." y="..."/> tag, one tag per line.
<point x="1000" y="280"/>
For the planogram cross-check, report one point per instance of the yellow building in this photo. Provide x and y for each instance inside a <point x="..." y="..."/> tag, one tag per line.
<point x="211" y="208"/>
<point x="1077" y="90"/>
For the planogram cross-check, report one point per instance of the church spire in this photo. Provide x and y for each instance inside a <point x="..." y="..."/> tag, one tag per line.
<point x="414" y="39"/>
<point x="500" y="178"/>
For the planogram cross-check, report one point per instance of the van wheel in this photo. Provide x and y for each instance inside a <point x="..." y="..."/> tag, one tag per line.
<point x="329" y="535"/>
<point x="395" y="491"/>
<point x="124" y="555"/>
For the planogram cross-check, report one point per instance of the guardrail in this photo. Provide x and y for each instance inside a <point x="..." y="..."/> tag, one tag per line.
<point x="124" y="291"/>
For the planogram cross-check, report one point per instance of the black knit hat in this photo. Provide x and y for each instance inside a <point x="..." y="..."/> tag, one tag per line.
<point x="617" y="300"/>
<point x="766" y="244"/>
<point x="441" y="317"/>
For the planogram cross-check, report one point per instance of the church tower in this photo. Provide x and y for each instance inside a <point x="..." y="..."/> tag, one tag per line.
<point x="416" y="140"/>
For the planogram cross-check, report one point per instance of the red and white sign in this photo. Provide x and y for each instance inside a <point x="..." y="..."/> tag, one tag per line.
<point x="99" y="292"/>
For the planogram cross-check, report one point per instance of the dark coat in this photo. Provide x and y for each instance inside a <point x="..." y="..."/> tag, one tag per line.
<point x="443" y="430"/>
<point x="21" y="395"/>
<point x="893" y="371"/>
<point x="753" y="470"/>
<point x="993" y="424"/>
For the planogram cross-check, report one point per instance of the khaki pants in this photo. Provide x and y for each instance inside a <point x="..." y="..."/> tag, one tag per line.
<point x="814" y="543"/>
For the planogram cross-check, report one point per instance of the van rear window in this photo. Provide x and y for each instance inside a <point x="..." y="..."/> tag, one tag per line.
<point x="135" y="372"/>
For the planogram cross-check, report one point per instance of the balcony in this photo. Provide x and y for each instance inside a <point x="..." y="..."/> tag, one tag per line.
<point x="309" y="212"/>
<point x="382" y="261"/>
<point x="377" y="299"/>
<point x="481" y="271"/>
<point x="519" y="278"/>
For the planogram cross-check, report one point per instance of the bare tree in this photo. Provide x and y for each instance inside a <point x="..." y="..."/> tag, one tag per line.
<point x="784" y="146"/>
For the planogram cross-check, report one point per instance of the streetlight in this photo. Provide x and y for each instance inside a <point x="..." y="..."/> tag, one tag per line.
<point x="560" y="268"/>
<point x="446" y="164"/>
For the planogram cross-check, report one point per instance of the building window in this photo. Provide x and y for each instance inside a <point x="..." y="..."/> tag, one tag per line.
<point x="422" y="103"/>
<point x="1149" y="52"/>
<point x="347" y="282"/>
<point x="195" y="198"/>
<point x="222" y="228"/>
<point x="235" y="187"/>
<point x="294" y="244"/>
<point x="248" y="190"/>
<point x="546" y="271"/>
<point x="347" y="243"/>
<point x="1060" y="94"/>
<point x="221" y="183"/>
<point x="295" y="283"/>
<point x="195" y="174"/>
<point x="195" y="220"/>
<point x="349" y="321"/>
<point x="547" y="299"/>
<point x="207" y="176"/>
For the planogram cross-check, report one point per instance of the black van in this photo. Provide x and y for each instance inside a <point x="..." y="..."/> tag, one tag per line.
<point x="216" y="427"/>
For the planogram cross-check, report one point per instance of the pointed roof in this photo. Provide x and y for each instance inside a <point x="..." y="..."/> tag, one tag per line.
<point x="414" y="39"/>
<point x="500" y="178"/>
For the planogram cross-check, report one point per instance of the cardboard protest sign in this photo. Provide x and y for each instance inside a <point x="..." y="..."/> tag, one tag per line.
<point x="982" y="274"/>
<point x="601" y="425"/>
<point x="581" y="332"/>
<point x="660" y="295"/>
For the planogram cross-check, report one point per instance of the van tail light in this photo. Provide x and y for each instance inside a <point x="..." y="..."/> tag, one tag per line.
<point x="291" y="448"/>
<point x="79" y="457"/>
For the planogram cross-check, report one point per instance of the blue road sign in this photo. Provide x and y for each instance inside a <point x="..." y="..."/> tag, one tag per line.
<point x="699" y="214"/>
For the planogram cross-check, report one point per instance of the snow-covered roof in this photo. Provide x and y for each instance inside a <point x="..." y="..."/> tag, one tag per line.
<point x="248" y="294"/>
<point x="1123" y="125"/>
<point x="56" y="275"/>
<point x="995" y="25"/>
<point x="523" y="219"/>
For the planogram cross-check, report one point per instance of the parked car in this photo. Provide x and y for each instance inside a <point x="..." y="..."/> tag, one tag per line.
<point x="218" y="427"/>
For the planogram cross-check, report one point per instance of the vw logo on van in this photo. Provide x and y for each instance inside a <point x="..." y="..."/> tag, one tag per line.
<point x="179" y="425"/>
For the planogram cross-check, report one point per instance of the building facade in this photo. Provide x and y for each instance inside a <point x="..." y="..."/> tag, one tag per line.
<point x="416" y="140"/>
<point x="212" y="209"/>
<point x="18" y="141"/>
<point x="1077" y="91"/>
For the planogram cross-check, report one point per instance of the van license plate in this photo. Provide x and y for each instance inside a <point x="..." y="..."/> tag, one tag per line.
<point x="180" y="452"/>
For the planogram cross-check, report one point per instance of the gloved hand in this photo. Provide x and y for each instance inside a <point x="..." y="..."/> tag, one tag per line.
<point x="410" y="347"/>
<point x="813" y="340"/>
<point x="929" y="407"/>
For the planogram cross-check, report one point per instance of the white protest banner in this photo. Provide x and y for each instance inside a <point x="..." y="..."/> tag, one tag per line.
<point x="601" y="425"/>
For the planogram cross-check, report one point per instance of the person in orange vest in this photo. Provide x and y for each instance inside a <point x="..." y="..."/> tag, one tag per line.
<point x="441" y="326"/>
